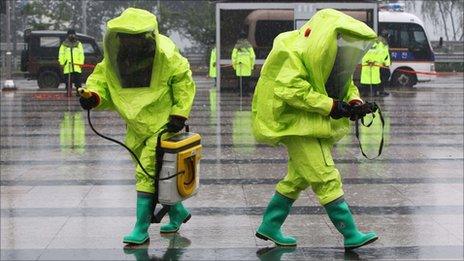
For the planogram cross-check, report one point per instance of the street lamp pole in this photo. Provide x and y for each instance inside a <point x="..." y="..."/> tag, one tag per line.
<point x="158" y="7"/>
<point x="8" y="40"/>
<point x="84" y="16"/>
<point x="8" y="84"/>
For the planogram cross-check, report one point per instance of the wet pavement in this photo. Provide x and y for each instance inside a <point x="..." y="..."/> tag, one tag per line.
<point x="68" y="194"/>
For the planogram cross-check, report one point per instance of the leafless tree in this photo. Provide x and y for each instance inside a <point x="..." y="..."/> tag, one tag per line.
<point x="446" y="13"/>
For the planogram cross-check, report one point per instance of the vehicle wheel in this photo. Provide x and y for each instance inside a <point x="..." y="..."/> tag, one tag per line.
<point x="402" y="80"/>
<point x="48" y="79"/>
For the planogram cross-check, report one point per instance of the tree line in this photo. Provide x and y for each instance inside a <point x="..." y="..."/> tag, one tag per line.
<point x="192" y="19"/>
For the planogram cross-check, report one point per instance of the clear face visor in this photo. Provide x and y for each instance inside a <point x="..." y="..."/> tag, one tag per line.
<point x="350" y="51"/>
<point x="133" y="60"/>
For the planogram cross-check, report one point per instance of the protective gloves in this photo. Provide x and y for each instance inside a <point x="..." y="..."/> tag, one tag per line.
<point x="340" y="109"/>
<point x="88" y="100"/>
<point x="355" y="102"/>
<point x="356" y="112"/>
<point x="360" y="109"/>
<point x="176" y="123"/>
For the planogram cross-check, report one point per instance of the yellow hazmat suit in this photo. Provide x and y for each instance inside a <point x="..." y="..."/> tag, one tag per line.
<point x="291" y="103"/>
<point x="307" y="74"/>
<point x="145" y="109"/>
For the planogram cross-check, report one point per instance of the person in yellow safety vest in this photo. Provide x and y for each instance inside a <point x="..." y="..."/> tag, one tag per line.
<point x="149" y="83"/>
<point x="303" y="100"/>
<point x="212" y="65"/>
<point x="243" y="61"/>
<point x="370" y="72"/>
<point x="385" y="69"/>
<point x="71" y="58"/>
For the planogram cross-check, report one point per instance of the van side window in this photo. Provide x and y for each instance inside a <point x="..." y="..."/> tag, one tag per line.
<point x="49" y="41"/>
<point x="267" y="30"/>
<point x="408" y="36"/>
<point x="48" y="47"/>
<point x="88" y="48"/>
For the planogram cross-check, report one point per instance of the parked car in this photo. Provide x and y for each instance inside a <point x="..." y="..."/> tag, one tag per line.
<point x="39" y="59"/>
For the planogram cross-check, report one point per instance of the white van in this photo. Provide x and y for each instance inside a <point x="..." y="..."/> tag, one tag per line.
<point x="410" y="49"/>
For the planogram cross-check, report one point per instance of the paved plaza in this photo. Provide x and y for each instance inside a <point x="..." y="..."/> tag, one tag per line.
<point x="68" y="194"/>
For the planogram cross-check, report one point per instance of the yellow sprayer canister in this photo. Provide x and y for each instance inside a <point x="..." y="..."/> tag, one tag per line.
<point x="182" y="154"/>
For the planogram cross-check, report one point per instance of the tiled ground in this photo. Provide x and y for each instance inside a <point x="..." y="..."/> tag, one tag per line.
<point x="61" y="200"/>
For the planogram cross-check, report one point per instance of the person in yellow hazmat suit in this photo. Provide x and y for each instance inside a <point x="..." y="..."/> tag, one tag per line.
<point x="145" y="79"/>
<point x="303" y="100"/>
<point x="243" y="61"/>
<point x="212" y="65"/>
<point x="71" y="57"/>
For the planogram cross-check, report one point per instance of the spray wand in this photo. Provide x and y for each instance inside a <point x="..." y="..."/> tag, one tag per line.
<point x="87" y="94"/>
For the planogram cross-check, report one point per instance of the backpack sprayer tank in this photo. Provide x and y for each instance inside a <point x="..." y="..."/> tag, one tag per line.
<point x="179" y="177"/>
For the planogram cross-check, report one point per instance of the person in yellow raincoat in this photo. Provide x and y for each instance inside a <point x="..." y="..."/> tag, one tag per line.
<point x="303" y="100"/>
<point x="71" y="57"/>
<point x="212" y="65"/>
<point x="145" y="79"/>
<point x="385" y="69"/>
<point x="372" y="63"/>
<point x="243" y="61"/>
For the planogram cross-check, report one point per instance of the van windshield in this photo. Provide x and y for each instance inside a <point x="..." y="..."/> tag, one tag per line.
<point x="266" y="31"/>
<point x="407" y="41"/>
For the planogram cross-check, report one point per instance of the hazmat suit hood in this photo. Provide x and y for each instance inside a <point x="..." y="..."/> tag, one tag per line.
<point x="145" y="91"/>
<point x="332" y="44"/>
<point x="130" y="43"/>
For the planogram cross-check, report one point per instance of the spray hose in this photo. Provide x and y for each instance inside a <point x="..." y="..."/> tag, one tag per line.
<point x="369" y="108"/>
<point x="159" y="163"/>
<point x="117" y="142"/>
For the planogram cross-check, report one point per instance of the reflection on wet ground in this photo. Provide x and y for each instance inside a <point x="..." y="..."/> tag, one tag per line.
<point x="68" y="194"/>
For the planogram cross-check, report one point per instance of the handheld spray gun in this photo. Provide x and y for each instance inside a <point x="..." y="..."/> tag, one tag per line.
<point x="157" y="215"/>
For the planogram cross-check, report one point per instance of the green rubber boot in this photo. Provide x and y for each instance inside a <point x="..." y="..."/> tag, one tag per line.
<point x="274" y="216"/>
<point x="178" y="214"/>
<point x="340" y="215"/>
<point x="145" y="208"/>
